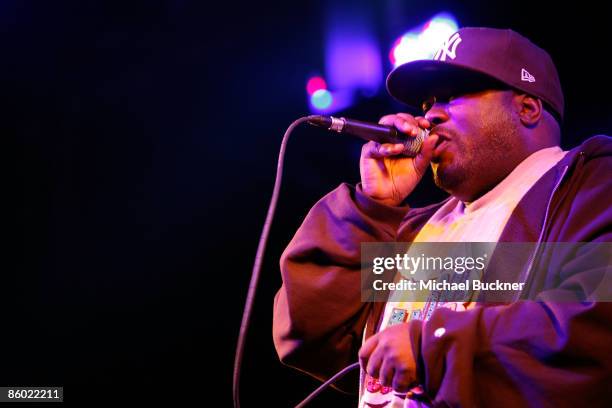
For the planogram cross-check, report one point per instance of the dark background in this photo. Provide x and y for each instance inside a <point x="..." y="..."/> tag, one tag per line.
<point x="147" y="135"/>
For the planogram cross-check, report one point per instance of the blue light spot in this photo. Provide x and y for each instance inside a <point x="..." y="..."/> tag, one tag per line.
<point x="321" y="99"/>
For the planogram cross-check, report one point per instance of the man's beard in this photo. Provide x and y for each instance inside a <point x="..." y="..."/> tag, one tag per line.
<point x="449" y="176"/>
<point x="470" y="162"/>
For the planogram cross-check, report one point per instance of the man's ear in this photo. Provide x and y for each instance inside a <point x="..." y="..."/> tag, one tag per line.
<point x="529" y="109"/>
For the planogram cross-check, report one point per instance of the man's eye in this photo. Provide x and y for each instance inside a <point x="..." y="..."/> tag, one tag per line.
<point x="428" y="103"/>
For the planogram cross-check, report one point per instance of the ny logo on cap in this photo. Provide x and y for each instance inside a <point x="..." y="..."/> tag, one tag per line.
<point x="446" y="51"/>
<point x="526" y="76"/>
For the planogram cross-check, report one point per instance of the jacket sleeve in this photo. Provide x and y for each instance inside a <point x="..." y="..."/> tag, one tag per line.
<point x="318" y="314"/>
<point x="523" y="354"/>
<point x="547" y="352"/>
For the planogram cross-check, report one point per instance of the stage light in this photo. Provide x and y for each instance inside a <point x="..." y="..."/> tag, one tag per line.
<point x="423" y="41"/>
<point x="321" y="99"/>
<point x="438" y="30"/>
<point x="407" y="48"/>
<point x="314" y="84"/>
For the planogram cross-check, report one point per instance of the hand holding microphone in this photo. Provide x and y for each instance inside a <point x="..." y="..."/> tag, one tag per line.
<point x="396" y="157"/>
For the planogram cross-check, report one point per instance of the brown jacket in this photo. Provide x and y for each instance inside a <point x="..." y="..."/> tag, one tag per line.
<point x="521" y="353"/>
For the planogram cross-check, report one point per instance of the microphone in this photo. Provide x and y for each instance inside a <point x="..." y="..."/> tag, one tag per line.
<point x="371" y="131"/>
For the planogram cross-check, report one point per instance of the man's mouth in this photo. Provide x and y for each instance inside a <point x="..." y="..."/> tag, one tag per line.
<point x="441" y="144"/>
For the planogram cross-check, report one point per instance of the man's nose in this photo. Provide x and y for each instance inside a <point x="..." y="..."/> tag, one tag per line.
<point x="437" y="114"/>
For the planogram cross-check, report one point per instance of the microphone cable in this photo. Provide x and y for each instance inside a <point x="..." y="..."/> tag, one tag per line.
<point x="327" y="383"/>
<point x="261" y="247"/>
<point x="255" y="273"/>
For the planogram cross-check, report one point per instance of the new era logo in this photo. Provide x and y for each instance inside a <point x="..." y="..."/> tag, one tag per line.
<point x="526" y="76"/>
<point x="449" y="48"/>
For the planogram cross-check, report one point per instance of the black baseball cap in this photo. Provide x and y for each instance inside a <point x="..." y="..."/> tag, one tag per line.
<point x="476" y="57"/>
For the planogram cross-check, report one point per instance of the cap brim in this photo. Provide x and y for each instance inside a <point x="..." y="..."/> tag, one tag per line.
<point x="414" y="82"/>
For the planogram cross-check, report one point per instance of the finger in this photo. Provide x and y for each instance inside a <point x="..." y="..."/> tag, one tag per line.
<point x="393" y="149"/>
<point x="385" y="376"/>
<point x="406" y="125"/>
<point x="366" y="349"/>
<point x="403" y="379"/>
<point x="405" y="122"/>
<point x="387" y="120"/>
<point x="424" y="123"/>
<point x="371" y="150"/>
<point x="376" y="150"/>
<point x="375" y="361"/>
<point x="412" y="120"/>
<point x="406" y="116"/>
<point x="423" y="159"/>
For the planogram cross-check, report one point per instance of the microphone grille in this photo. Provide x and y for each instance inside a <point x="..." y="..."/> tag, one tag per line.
<point x="414" y="144"/>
